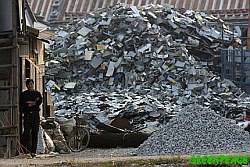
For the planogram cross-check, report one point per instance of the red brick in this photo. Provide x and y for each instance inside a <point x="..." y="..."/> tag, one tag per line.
<point x="46" y="8"/>
<point x="33" y="6"/>
<point x="224" y="5"/>
<point x="180" y="4"/>
<point x="210" y="4"/>
<point x="86" y="5"/>
<point x="231" y="5"/>
<point x="203" y="5"/>
<point x="92" y="8"/>
<point x="195" y="4"/>
<point x="217" y="5"/>
<point x="63" y="10"/>
<point x="188" y="2"/>
<point x="72" y="5"/>
<point x="79" y="6"/>
<point x="143" y="2"/>
<point x="40" y="6"/>
<point x="136" y="2"/>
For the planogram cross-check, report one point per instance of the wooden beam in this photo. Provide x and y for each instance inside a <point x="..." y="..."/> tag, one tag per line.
<point x="6" y="47"/>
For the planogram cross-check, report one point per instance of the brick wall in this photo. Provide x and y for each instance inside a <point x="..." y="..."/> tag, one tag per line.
<point x="77" y="8"/>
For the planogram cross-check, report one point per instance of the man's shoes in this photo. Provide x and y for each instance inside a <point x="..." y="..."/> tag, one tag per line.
<point x="33" y="155"/>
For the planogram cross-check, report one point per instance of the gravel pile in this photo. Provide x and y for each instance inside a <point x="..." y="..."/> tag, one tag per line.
<point x="196" y="130"/>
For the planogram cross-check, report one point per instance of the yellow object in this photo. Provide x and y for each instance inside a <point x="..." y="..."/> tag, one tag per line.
<point x="100" y="47"/>
<point x="57" y="87"/>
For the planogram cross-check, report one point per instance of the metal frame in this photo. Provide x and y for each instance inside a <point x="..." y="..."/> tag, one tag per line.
<point x="236" y="62"/>
<point x="238" y="72"/>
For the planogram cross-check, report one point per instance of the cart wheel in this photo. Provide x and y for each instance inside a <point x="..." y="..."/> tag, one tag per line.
<point x="78" y="139"/>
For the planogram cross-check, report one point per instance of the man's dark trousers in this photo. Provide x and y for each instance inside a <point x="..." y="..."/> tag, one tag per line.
<point x="31" y="124"/>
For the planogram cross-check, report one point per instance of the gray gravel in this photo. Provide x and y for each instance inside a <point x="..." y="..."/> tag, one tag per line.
<point x="196" y="130"/>
<point x="104" y="153"/>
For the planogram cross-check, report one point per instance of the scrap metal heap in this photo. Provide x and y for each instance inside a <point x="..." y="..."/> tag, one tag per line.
<point x="144" y="64"/>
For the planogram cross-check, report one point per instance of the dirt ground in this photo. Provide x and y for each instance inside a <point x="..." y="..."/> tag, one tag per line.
<point x="53" y="159"/>
<point x="117" y="157"/>
<point x="88" y="157"/>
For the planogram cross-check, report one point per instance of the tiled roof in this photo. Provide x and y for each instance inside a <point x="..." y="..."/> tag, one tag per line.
<point x="65" y="10"/>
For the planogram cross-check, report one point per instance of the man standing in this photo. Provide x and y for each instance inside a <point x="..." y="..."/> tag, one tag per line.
<point x="30" y="101"/>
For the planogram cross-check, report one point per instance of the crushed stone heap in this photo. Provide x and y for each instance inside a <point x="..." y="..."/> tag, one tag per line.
<point x="196" y="130"/>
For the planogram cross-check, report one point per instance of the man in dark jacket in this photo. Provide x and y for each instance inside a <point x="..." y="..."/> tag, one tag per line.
<point x="30" y="101"/>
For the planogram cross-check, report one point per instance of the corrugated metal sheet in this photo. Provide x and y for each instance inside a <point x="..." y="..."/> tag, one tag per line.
<point x="69" y="9"/>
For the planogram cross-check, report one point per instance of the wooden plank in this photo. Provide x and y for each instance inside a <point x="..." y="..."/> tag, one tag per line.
<point x="49" y="98"/>
<point x="6" y="47"/>
<point x="8" y="149"/>
<point x="5" y="40"/>
<point x="7" y="65"/>
<point x="8" y="105"/>
<point x="9" y="136"/>
<point x="7" y="87"/>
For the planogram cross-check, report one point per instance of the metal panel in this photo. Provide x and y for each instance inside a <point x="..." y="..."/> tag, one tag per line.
<point x="236" y="71"/>
<point x="236" y="60"/>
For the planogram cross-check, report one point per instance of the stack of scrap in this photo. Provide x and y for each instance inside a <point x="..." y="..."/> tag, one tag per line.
<point x="141" y="63"/>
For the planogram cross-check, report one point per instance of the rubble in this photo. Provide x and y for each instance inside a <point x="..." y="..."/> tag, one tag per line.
<point x="144" y="64"/>
<point x="196" y="130"/>
<point x="107" y="106"/>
